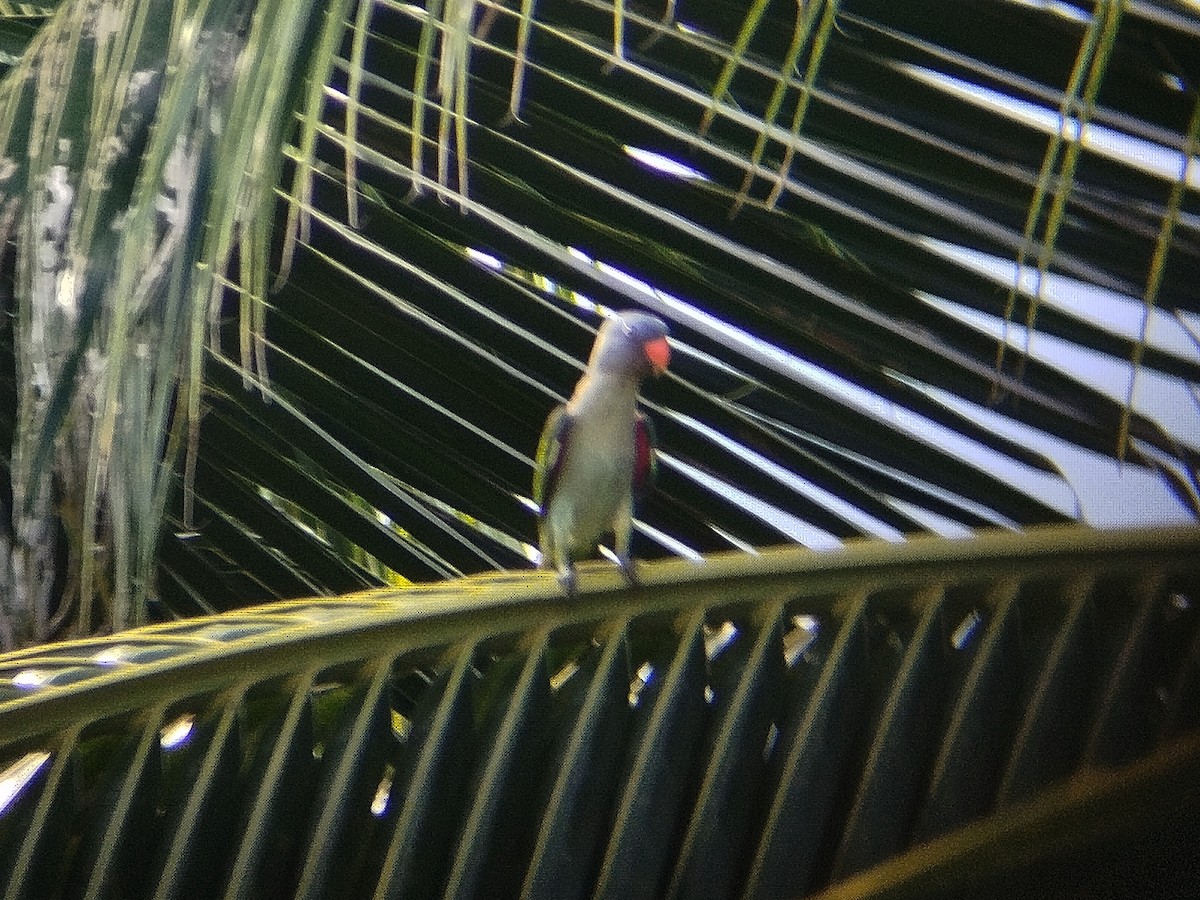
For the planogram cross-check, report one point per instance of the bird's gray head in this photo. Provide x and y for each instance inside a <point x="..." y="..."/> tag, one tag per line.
<point x="633" y="343"/>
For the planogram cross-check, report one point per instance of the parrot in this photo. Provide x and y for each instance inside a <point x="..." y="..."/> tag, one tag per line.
<point x="597" y="451"/>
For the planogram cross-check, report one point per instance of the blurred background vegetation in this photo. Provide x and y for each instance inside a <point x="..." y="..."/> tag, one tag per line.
<point x="290" y="287"/>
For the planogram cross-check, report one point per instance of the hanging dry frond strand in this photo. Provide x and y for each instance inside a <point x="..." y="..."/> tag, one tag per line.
<point x="524" y="26"/>
<point x="806" y="16"/>
<point x="1105" y="30"/>
<point x="667" y="20"/>
<point x="815" y="58"/>
<point x="453" y="69"/>
<point x="358" y="50"/>
<point x="296" y="229"/>
<point x="1158" y="264"/>
<point x="619" y="29"/>
<point x="430" y="26"/>
<point x="1056" y="179"/>
<point x="749" y="27"/>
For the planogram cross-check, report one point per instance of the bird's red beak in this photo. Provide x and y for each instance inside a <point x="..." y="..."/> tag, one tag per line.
<point x="658" y="351"/>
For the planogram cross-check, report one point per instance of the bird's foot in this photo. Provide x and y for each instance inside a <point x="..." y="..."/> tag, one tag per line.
<point x="566" y="578"/>
<point x="625" y="564"/>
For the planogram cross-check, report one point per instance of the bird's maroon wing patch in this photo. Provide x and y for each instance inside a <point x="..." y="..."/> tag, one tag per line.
<point x="645" y="466"/>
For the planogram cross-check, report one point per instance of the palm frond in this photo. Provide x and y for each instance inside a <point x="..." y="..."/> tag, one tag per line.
<point x="862" y="347"/>
<point x="136" y="159"/>
<point x="769" y="725"/>
<point x="918" y="278"/>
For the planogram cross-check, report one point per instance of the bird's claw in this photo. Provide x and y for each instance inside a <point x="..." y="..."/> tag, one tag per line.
<point x="566" y="578"/>
<point x="625" y="564"/>
<point x="568" y="581"/>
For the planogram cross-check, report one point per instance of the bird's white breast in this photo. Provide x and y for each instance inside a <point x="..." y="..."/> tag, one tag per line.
<point x="595" y="480"/>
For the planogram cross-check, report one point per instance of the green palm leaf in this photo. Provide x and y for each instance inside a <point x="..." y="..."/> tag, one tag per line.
<point x="763" y="726"/>
<point x="919" y="279"/>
